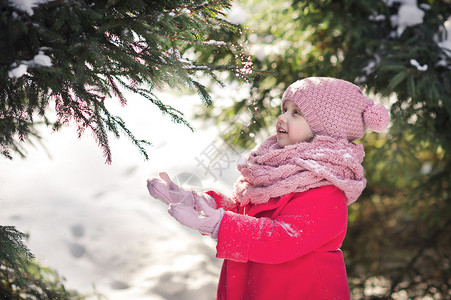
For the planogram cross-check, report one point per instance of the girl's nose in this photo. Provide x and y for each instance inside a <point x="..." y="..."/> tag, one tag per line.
<point x="282" y="118"/>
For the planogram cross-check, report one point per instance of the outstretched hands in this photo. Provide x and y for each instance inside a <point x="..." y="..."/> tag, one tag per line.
<point x="190" y="208"/>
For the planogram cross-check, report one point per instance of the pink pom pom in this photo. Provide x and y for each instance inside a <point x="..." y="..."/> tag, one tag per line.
<point x="376" y="117"/>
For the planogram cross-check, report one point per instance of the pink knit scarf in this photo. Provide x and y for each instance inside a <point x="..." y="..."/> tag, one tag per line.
<point x="271" y="171"/>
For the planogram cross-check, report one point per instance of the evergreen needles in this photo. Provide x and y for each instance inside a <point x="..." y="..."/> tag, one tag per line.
<point x="23" y="278"/>
<point x="76" y="56"/>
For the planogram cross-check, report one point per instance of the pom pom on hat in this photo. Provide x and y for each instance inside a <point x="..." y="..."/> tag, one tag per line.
<point x="376" y="117"/>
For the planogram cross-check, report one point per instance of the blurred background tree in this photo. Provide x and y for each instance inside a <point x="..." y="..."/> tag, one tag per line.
<point x="399" y="52"/>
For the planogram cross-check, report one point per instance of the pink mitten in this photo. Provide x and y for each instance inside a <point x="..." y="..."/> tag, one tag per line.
<point x="207" y="222"/>
<point x="169" y="192"/>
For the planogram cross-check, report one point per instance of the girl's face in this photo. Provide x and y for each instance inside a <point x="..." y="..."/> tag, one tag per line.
<point x="292" y="127"/>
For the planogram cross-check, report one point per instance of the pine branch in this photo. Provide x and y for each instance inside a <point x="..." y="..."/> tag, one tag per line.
<point x="202" y="91"/>
<point x="13" y="253"/>
<point x="94" y="49"/>
<point x="21" y="277"/>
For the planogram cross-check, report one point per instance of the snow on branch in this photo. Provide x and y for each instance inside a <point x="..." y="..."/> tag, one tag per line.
<point x="39" y="59"/>
<point x="27" y="5"/>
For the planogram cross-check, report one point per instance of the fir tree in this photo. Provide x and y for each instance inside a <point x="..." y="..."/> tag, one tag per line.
<point x="77" y="55"/>
<point x="23" y="278"/>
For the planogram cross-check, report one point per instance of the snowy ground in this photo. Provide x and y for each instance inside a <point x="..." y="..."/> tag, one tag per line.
<point x="96" y="224"/>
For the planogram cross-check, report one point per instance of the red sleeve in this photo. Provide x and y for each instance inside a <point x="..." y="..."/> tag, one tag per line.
<point x="223" y="201"/>
<point x="313" y="220"/>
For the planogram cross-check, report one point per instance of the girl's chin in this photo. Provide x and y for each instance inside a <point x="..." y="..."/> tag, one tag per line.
<point x="281" y="143"/>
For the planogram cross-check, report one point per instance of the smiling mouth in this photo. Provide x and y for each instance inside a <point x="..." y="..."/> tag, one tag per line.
<point x="281" y="131"/>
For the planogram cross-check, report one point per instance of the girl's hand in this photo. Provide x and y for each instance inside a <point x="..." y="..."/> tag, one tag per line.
<point x="170" y="193"/>
<point x="206" y="220"/>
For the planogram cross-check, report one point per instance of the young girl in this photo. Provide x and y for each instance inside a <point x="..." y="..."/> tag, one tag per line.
<point x="281" y="231"/>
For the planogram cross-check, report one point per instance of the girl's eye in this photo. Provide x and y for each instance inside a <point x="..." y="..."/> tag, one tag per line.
<point x="298" y="112"/>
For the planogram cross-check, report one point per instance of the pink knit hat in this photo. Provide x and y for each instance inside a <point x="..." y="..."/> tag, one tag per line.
<point x="336" y="108"/>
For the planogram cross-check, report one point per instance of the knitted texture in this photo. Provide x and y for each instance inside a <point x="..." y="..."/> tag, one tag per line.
<point x="271" y="171"/>
<point x="336" y="107"/>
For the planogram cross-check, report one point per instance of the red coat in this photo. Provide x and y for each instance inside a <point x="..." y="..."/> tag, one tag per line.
<point x="285" y="249"/>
